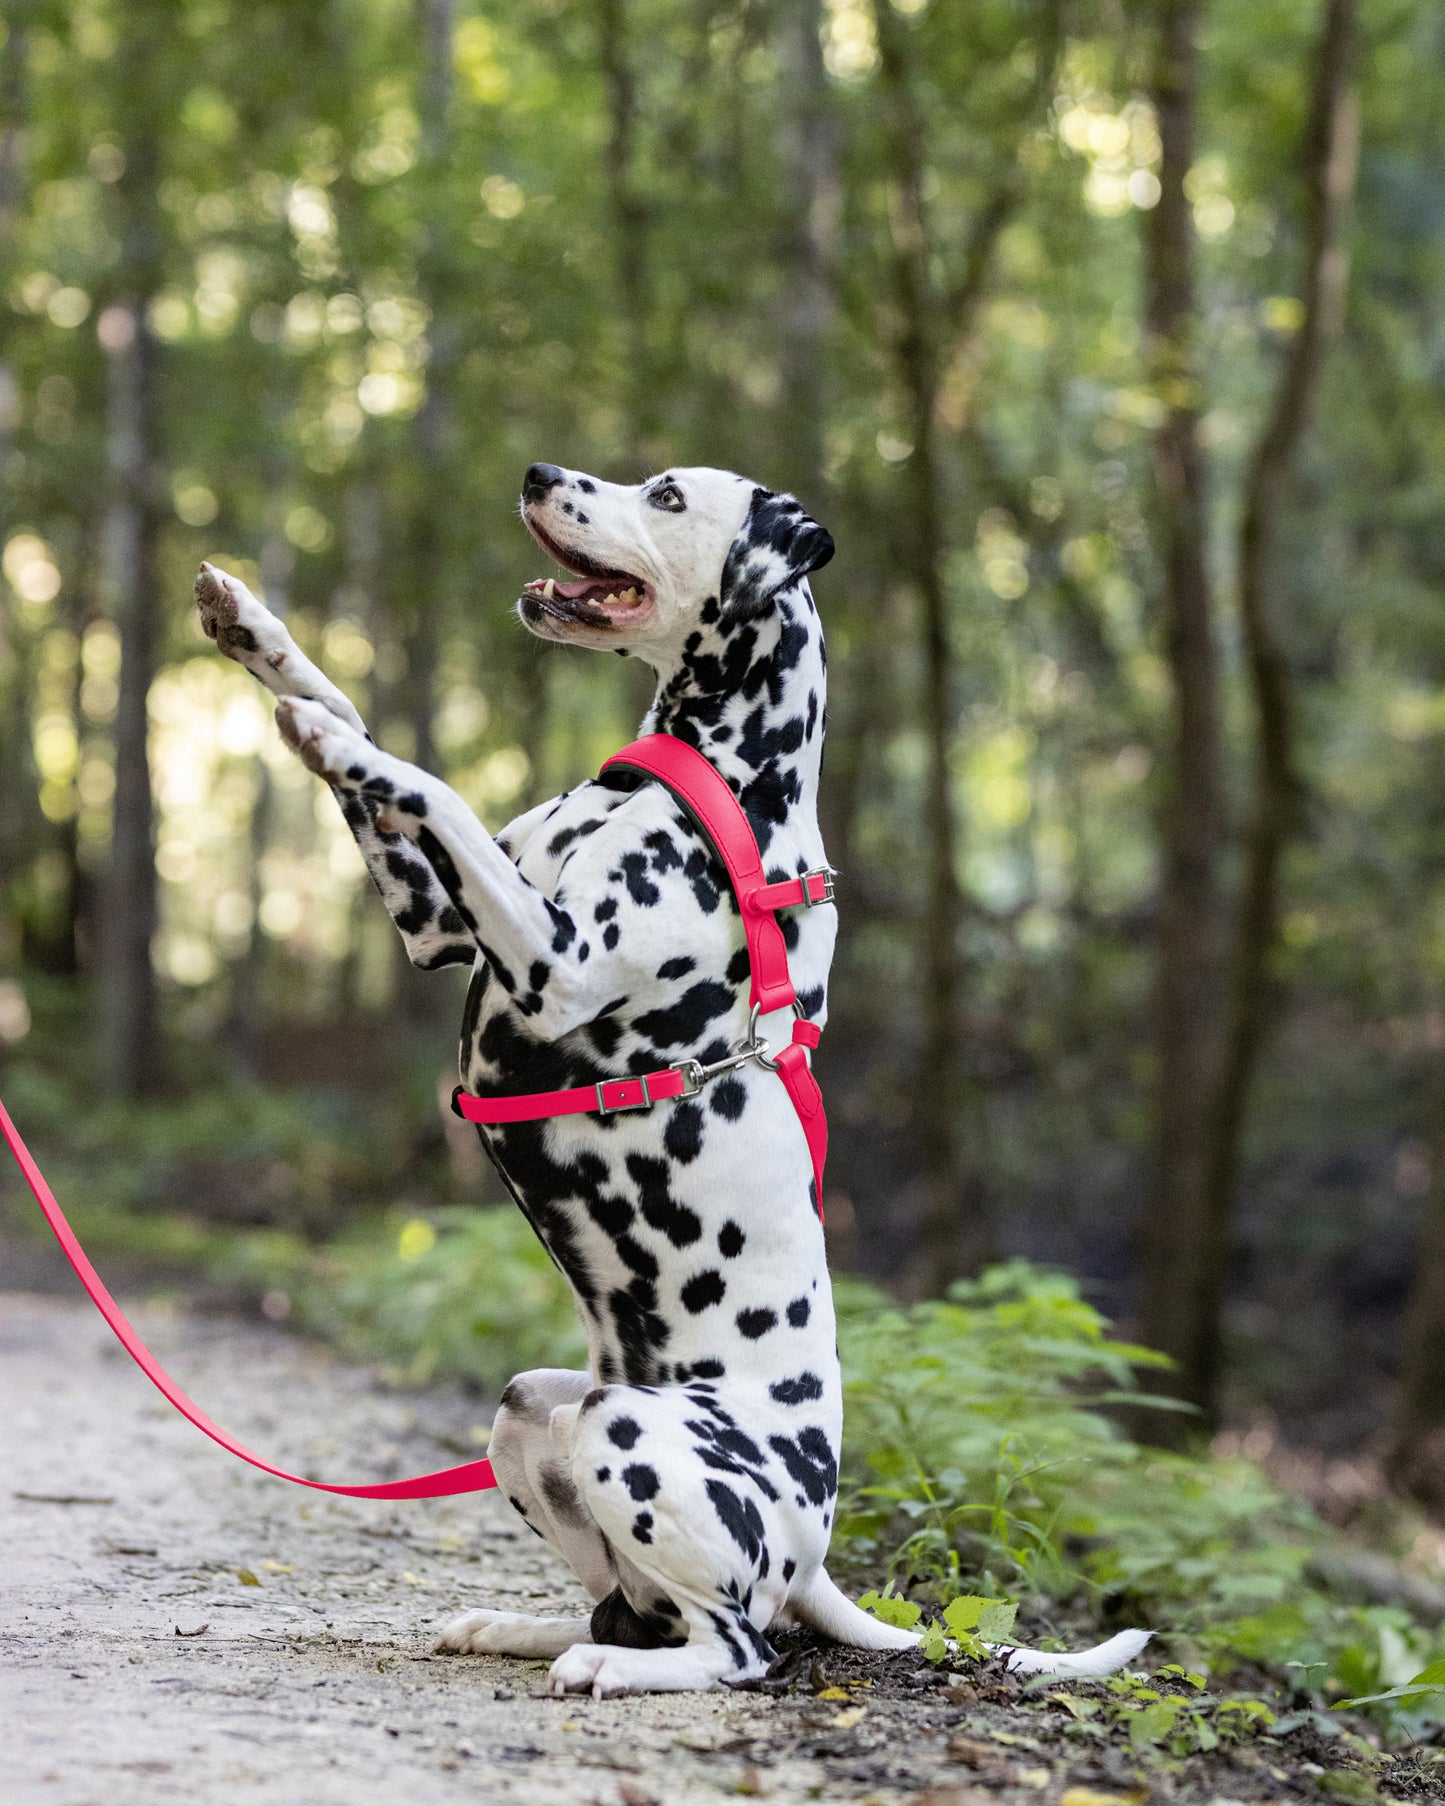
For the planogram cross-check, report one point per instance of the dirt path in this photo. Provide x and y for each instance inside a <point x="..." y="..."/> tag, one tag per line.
<point x="121" y="1527"/>
<point x="176" y="1626"/>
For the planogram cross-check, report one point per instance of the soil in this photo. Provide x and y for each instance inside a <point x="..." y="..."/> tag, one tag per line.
<point x="175" y="1625"/>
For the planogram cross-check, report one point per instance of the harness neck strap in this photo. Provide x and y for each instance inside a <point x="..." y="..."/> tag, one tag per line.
<point x="697" y="783"/>
<point x="702" y="790"/>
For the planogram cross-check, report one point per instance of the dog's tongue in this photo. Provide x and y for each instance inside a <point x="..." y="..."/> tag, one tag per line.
<point x="573" y="592"/>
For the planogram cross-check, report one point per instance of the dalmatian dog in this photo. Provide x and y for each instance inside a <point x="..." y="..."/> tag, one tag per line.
<point x="689" y="1476"/>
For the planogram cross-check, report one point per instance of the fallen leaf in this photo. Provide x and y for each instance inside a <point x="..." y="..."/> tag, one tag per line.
<point x="973" y="1751"/>
<point x="1091" y="1796"/>
<point x="199" y="1631"/>
<point x="247" y="1578"/>
<point x="631" y="1794"/>
<point x="844" y="1721"/>
<point x="64" y="1498"/>
<point x="1034" y="1777"/>
<point x="279" y="1567"/>
<point x="961" y="1694"/>
<point x="833" y="1693"/>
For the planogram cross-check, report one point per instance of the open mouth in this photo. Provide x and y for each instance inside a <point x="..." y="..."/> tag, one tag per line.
<point x="601" y="597"/>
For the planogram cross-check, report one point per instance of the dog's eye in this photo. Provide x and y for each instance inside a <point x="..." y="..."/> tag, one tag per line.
<point x="669" y="496"/>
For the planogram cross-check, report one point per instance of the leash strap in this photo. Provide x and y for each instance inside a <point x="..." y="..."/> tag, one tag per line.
<point x="472" y="1476"/>
<point x="702" y="790"/>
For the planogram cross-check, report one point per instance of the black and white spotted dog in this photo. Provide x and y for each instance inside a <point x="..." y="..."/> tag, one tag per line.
<point x="689" y="1476"/>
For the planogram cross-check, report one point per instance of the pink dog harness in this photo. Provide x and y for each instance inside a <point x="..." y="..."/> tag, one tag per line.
<point x="707" y="798"/>
<point x="704" y="793"/>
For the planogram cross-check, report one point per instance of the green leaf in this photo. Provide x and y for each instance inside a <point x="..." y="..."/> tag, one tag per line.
<point x="1153" y="1724"/>
<point x="996" y="1620"/>
<point x="903" y="1614"/>
<point x="965" y="1612"/>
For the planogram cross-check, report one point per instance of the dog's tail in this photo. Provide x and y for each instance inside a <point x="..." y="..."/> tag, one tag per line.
<point x="823" y="1608"/>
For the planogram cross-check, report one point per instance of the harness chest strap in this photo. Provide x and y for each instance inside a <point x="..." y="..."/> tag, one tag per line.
<point x="705" y="794"/>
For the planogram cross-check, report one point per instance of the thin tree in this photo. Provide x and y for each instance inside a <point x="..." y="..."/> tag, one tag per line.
<point x="130" y="1055"/>
<point x="808" y="156"/>
<point x="1329" y="157"/>
<point x="1177" y="1253"/>
<point x="933" y="318"/>
<point x="1205" y="1074"/>
<point x="1415" y="1461"/>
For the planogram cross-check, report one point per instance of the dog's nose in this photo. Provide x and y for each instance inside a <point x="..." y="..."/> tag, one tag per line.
<point x="539" y="479"/>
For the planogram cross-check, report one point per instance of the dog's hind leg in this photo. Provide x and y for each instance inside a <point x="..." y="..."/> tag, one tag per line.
<point x="531" y="1422"/>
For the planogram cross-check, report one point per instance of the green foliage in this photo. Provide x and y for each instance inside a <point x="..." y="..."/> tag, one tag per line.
<point x="465" y="1294"/>
<point x="975" y="1449"/>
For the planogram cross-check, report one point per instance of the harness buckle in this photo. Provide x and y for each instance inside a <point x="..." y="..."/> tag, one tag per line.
<point x="645" y="1102"/>
<point x="827" y="874"/>
<point x="693" y="1074"/>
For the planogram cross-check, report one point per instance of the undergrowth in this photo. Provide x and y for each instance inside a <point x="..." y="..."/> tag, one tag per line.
<point x="983" y="1460"/>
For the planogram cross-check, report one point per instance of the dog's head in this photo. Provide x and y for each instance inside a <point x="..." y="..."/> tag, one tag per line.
<point x="653" y="560"/>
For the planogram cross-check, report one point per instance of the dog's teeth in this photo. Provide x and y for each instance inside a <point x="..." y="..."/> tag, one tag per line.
<point x="629" y="596"/>
<point x="607" y="599"/>
<point x="549" y="588"/>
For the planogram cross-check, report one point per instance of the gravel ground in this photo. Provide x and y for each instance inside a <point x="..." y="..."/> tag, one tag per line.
<point x="175" y="1625"/>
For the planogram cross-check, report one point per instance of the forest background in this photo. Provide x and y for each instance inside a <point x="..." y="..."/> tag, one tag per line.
<point x="1107" y="339"/>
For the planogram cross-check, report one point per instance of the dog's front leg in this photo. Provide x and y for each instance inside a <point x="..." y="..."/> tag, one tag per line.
<point x="531" y="945"/>
<point x="246" y="631"/>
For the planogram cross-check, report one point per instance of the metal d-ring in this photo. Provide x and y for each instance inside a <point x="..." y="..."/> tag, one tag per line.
<point x="757" y="1048"/>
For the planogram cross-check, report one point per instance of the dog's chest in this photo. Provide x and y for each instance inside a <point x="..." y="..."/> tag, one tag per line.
<point x="684" y="1229"/>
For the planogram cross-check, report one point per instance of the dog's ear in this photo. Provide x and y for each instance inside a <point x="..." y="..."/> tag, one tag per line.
<point x="779" y="543"/>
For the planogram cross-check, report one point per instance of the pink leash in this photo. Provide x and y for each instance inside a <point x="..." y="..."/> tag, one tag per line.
<point x="473" y="1476"/>
<point x="704" y="792"/>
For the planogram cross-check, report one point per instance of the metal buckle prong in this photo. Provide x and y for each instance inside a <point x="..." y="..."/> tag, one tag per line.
<point x="826" y="873"/>
<point x="606" y="1109"/>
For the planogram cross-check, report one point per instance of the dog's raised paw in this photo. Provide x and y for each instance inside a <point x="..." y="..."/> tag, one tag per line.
<point x="231" y="615"/>
<point x="321" y="742"/>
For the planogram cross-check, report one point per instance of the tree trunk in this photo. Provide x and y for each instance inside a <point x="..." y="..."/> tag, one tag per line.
<point x="130" y="1054"/>
<point x="1329" y="158"/>
<point x="629" y="225"/>
<point x="808" y="154"/>
<point x="1416" y="1459"/>
<point x="1179" y="1257"/>
<point x="953" y="1237"/>
<point x="933" y="320"/>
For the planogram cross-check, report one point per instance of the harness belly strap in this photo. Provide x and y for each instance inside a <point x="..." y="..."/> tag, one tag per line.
<point x="702" y="790"/>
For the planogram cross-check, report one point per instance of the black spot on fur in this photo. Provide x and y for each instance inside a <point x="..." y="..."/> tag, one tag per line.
<point x="739" y="1516"/>
<point x="800" y="1390"/>
<point x="640" y="1480"/>
<point x="684" y="1022"/>
<point x="623" y="1432"/>
<point x="728" y="1098"/>
<point x="642" y="1527"/>
<point x="798" y="1312"/>
<point x="703" y="1290"/>
<point x="615" y="1622"/>
<point x="683" y="1136"/>
<point x="730" y="1239"/>
<point x="676" y="968"/>
<point x="756" y="1322"/>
